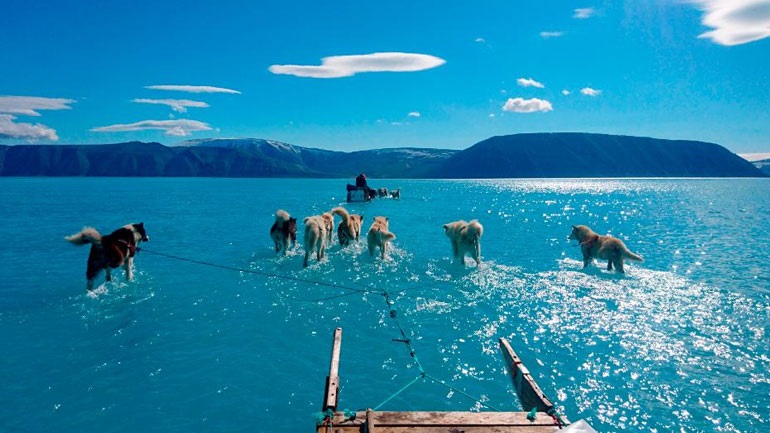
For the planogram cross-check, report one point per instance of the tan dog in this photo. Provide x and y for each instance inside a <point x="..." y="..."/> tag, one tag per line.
<point x="465" y="238"/>
<point x="595" y="246"/>
<point x="349" y="229"/>
<point x="328" y="218"/>
<point x="379" y="236"/>
<point x="315" y="237"/>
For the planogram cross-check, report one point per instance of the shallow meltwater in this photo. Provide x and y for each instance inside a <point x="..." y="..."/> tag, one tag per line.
<point x="220" y="333"/>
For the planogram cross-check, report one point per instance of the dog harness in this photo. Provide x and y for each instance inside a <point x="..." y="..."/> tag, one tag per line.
<point x="590" y="242"/>
<point x="130" y="248"/>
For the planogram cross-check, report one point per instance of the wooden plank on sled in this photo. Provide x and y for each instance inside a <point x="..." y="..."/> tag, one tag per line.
<point x="430" y="422"/>
<point x="331" y="395"/>
<point x="529" y="393"/>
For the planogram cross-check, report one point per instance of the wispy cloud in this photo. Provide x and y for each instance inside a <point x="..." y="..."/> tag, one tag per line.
<point x="178" y="105"/>
<point x="546" y="35"/>
<point x="529" y="82"/>
<point x="28" y="105"/>
<point x="590" y="92"/>
<point x="565" y="92"/>
<point x="415" y="114"/>
<point x="583" y="13"/>
<point x="345" y="66"/>
<point x="735" y="22"/>
<point x="520" y="105"/>
<point x="27" y="131"/>
<point x="192" y="89"/>
<point x="179" y="127"/>
<point x="480" y="40"/>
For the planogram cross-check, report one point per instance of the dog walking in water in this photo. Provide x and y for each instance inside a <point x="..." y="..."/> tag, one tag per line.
<point x="465" y="238"/>
<point x="315" y="237"/>
<point x="595" y="246"/>
<point x="110" y="251"/>
<point x="379" y="236"/>
<point x="284" y="231"/>
<point x="349" y="229"/>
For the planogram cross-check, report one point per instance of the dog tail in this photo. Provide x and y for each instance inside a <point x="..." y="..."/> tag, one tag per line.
<point x="385" y="235"/>
<point x="88" y="235"/>
<point x="281" y="216"/>
<point x="475" y="229"/>
<point x="632" y="256"/>
<point x="341" y="212"/>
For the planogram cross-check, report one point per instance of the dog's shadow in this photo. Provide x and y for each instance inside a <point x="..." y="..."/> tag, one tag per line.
<point x="457" y="270"/>
<point x="595" y="268"/>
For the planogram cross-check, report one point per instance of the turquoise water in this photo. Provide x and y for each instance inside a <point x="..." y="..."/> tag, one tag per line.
<point x="679" y="343"/>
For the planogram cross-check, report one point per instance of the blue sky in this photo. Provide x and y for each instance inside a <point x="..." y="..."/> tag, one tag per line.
<point x="397" y="73"/>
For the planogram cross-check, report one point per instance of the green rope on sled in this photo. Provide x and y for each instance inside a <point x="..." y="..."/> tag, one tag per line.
<point x="555" y="415"/>
<point x="322" y="418"/>
<point x="532" y="415"/>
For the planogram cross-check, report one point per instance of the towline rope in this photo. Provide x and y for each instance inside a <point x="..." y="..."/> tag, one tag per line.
<point x="352" y="290"/>
<point x="265" y="274"/>
<point x="391" y="311"/>
<point x="423" y="374"/>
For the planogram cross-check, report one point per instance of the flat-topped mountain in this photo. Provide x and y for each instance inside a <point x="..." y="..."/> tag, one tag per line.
<point x="593" y="155"/>
<point x="511" y="156"/>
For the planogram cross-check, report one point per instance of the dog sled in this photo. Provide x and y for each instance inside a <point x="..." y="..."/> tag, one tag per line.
<point x="360" y="193"/>
<point x="538" y="416"/>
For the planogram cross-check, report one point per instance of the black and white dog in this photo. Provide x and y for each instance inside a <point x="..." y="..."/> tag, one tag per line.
<point x="110" y="251"/>
<point x="284" y="231"/>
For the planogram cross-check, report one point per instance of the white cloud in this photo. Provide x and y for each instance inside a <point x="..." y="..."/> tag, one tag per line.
<point x="590" y="92"/>
<point x="179" y="128"/>
<point x="520" y="105"/>
<point x="192" y="89"/>
<point x="529" y="82"/>
<point x="565" y="92"/>
<point x="11" y="129"/>
<point x="480" y="40"/>
<point x="583" y="13"/>
<point x="345" y="66"/>
<point x="491" y="115"/>
<point x="178" y="105"/>
<point x="415" y="114"/>
<point x="735" y="22"/>
<point x="28" y="105"/>
<point x="547" y="35"/>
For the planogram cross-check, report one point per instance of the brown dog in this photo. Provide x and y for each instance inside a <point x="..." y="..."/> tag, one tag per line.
<point x="349" y="229"/>
<point x="110" y="251"/>
<point x="284" y="231"/>
<point x="595" y="246"/>
<point x="465" y="238"/>
<point x="379" y="236"/>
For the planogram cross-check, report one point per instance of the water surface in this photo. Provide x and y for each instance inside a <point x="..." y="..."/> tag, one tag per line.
<point x="678" y="343"/>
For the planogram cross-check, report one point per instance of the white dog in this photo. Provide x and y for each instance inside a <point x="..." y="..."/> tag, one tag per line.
<point x="465" y="238"/>
<point x="379" y="236"/>
<point x="315" y="237"/>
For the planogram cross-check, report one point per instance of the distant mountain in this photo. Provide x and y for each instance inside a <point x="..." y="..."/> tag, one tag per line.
<point x="760" y="160"/>
<point x="592" y="155"/>
<point x="763" y="165"/>
<point x="521" y="155"/>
